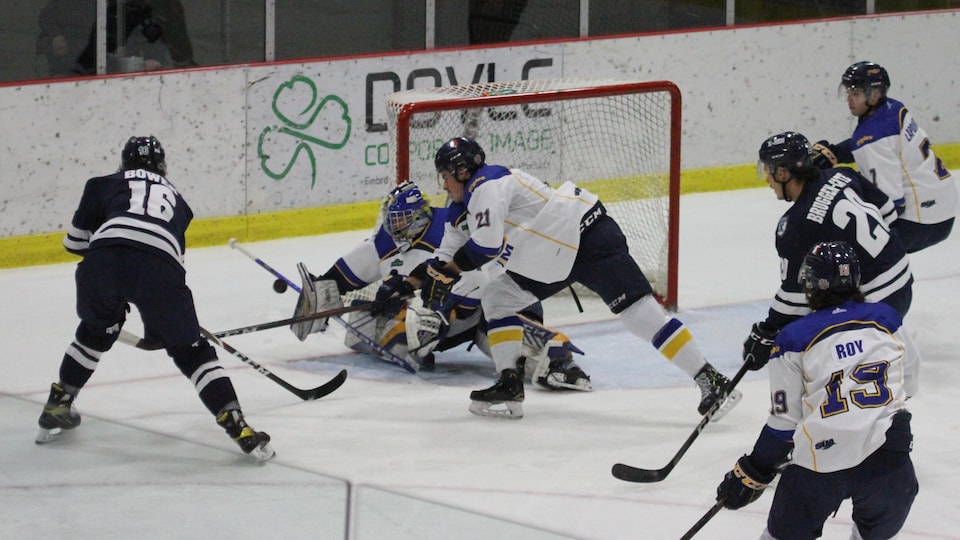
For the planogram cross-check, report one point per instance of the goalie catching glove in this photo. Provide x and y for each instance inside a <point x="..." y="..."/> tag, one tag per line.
<point x="392" y="294"/>
<point x="437" y="285"/>
<point x="824" y="155"/>
<point x="759" y="345"/>
<point x="425" y="328"/>
<point x="743" y="485"/>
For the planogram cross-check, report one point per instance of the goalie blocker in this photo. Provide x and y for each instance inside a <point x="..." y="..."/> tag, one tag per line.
<point x="315" y="296"/>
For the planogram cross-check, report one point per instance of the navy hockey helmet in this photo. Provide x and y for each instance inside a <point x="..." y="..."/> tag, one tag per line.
<point x="405" y="212"/>
<point x="866" y="76"/>
<point x="788" y="149"/>
<point x="830" y="266"/>
<point x="143" y="153"/>
<point x="459" y="153"/>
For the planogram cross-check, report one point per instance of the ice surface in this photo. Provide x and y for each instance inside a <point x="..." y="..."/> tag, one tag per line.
<point x="401" y="450"/>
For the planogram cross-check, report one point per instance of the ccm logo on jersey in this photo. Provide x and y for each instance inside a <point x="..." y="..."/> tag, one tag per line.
<point x="592" y="217"/>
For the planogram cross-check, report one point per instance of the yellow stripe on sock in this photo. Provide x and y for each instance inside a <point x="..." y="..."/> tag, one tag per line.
<point x="502" y="335"/>
<point x="672" y="347"/>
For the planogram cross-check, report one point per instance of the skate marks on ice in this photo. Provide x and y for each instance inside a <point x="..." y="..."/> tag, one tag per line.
<point x="135" y="480"/>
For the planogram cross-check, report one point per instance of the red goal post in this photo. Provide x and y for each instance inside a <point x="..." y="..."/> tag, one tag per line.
<point x="619" y="139"/>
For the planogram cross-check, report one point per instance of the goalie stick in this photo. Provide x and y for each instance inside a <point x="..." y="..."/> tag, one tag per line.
<point x="629" y="473"/>
<point x="378" y="349"/>
<point x="304" y="394"/>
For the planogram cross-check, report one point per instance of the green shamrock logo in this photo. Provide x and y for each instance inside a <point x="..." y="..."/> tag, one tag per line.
<point x="307" y="122"/>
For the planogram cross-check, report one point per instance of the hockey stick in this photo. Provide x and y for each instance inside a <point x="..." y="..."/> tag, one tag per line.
<point x="635" y="474"/>
<point x="293" y="320"/>
<point x="236" y="245"/>
<point x="150" y="345"/>
<point x="703" y="520"/>
<point x="367" y="340"/>
<point x="306" y="395"/>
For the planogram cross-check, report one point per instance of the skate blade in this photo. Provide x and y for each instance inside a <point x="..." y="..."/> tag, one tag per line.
<point x="45" y="436"/>
<point x="263" y="453"/>
<point x="582" y="385"/>
<point x="508" y="410"/>
<point x="728" y="404"/>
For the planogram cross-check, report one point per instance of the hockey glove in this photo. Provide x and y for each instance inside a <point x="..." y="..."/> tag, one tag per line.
<point x="824" y="155"/>
<point x="437" y="286"/>
<point x="758" y="345"/>
<point x="425" y="328"/>
<point x="391" y="295"/>
<point x="743" y="485"/>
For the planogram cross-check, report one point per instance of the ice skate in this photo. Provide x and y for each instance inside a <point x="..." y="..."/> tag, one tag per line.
<point x="712" y="384"/>
<point x="559" y="372"/>
<point x="58" y="415"/>
<point x="502" y="400"/>
<point x="254" y="443"/>
<point x="566" y="379"/>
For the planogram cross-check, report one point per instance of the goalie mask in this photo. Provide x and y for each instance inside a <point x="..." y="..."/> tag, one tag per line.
<point x="830" y="266"/>
<point x="143" y="153"/>
<point x="405" y="213"/>
<point x="459" y="154"/>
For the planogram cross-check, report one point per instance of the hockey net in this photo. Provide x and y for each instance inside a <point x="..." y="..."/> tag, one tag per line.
<point x="620" y="140"/>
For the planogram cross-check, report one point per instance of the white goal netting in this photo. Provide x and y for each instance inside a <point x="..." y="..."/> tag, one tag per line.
<point x="618" y="139"/>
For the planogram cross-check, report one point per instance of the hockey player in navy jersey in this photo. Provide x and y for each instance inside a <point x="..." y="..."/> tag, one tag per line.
<point x="407" y="234"/>
<point x="839" y="380"/>
<point x="129" y="228"/>
<point x="829" y="204"/>
<point x="893" y="151"/>
<point x="546" y="239"/>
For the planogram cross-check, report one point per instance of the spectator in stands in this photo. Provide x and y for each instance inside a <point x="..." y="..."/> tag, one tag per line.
<point x="64" y="32"/>
<point x="154" y="30"/>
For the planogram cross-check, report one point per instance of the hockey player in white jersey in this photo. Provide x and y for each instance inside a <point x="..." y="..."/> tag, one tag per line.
<point x="407" y="234"/>
<point x="894" y="152"/>
<point x="546" y="239"/>
<point x="839" y="380"/>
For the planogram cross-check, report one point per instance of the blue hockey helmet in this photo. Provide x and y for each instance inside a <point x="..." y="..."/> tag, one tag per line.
<point x="143" y="153"/>
<point x="866" y="76"/>
<point x="830" y="266"/>
<point x="458" y="154"/>
<point x="405" y="212"/>
<point x="788" y="149"/>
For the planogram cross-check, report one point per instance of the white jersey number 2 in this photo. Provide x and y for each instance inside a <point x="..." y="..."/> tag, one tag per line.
<point x="869" y="227"/>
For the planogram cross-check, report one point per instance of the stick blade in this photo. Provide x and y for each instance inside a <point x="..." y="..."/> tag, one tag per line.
<point x="326" y="388"/>
<point x="628" y="473"/>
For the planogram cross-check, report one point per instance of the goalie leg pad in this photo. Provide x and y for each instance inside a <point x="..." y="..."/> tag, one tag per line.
<point x="363" y="323"/>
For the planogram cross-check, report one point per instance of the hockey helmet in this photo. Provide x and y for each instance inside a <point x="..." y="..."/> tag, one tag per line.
<point x="143" y="153"/>
<point x="405" y="212"/>
<point x="866" y="76"/>
<point x="830" y="266"/>
<point x="788" y="149"/>
<point x="459" y="153"/>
